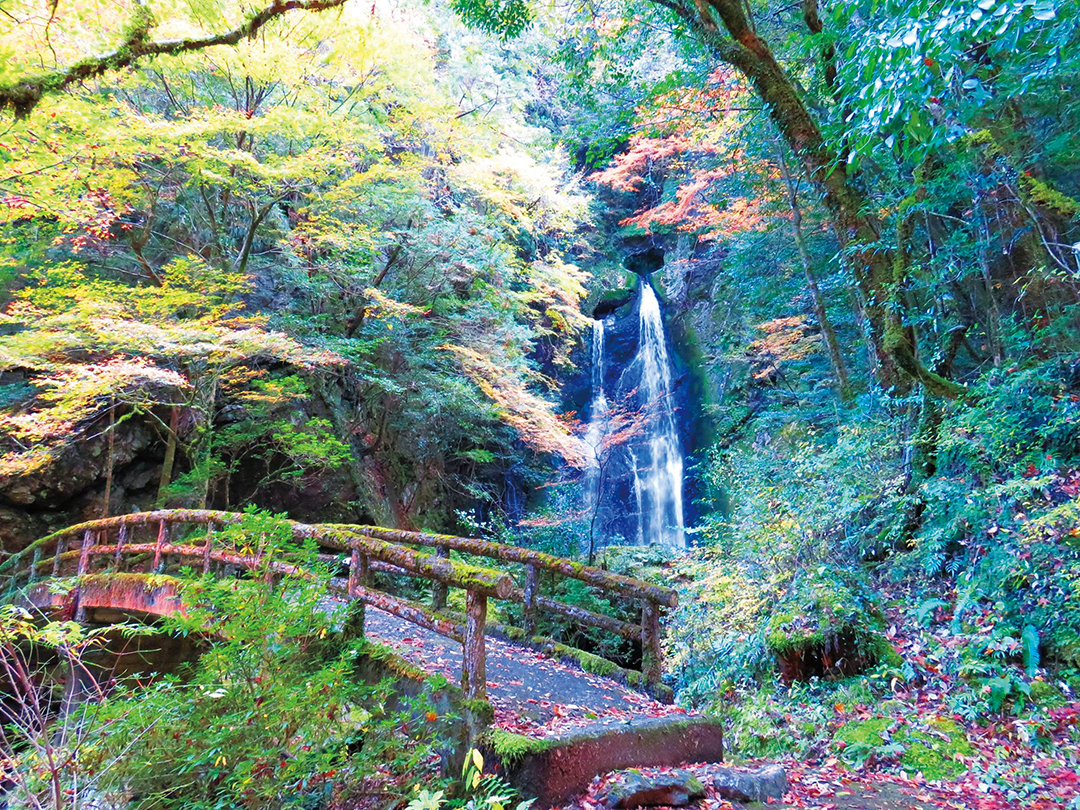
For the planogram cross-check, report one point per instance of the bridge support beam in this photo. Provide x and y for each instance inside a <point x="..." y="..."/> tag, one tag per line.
<point x="530" y="600"/>
<point x="651" y="654"/>
<point x="473" y="669"/>
<point x="162" y="537"/>
<point x="439" y="589"/>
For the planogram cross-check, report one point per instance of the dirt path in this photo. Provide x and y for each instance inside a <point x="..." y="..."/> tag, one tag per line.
<point x="532" y="693"/>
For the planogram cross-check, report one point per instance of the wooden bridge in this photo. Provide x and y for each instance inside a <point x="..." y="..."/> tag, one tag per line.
<point x="166" y="540"/>
<point x="585" y="724"/>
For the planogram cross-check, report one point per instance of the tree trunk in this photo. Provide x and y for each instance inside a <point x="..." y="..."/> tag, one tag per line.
<point x="170" y="457"/>
<point x="208" y="446"/>
<point x="473" y="669"/>
<point x="110" y="461"/>
<point x="832" y="345"/>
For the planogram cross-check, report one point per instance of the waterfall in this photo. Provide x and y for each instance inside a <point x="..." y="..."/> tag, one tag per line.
<point x="598" y="405"/>
<point x="634" y="484"/>
<point x="594" y="437"/>
<point x="661" y="515"/>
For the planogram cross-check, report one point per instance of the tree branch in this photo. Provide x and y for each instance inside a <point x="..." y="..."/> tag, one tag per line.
<point x="21" y="96"/>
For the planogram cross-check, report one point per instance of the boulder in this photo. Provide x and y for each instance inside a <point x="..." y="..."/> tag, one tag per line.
<point x="633" y="788"/>
<point x="741" y="785"/>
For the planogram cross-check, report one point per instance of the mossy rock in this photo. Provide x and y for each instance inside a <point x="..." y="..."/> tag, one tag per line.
<point x="480" y="711"/>
<point x="612" y="300"/>
<point x="886" y="653"/>
<point x="825" y="626"/>
<point x="511" y="748"/>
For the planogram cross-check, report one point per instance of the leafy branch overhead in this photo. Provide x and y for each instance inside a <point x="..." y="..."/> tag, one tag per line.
<point x="22" y="94"/>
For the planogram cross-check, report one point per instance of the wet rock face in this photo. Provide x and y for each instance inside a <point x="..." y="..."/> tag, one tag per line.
<point x="64" y="482"/>
<point x="18" y="528"/>
<point x="671" y="789"/>
<point x="53" y="476"/>
<point x="645" y="262"/>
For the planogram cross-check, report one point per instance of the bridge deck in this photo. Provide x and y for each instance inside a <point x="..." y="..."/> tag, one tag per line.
<point x="533" y="694"/>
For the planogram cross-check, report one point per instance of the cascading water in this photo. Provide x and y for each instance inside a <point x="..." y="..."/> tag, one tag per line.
<point x="598" y="408"/>
<point x="634" y="486"/>
<point x="661" y="480"/>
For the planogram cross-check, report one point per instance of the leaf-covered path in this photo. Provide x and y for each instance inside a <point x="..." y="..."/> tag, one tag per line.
<point x="533" y="694"/>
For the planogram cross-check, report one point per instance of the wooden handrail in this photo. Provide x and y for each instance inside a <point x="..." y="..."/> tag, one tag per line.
<point x="598" y="577"/>
<point x="372" y="548"/>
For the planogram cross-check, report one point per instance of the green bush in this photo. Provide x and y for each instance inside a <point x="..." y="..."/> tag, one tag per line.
<point x="272" y="715"/>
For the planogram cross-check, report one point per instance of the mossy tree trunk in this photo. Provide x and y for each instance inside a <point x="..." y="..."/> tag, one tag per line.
<point x="110" y="460"/>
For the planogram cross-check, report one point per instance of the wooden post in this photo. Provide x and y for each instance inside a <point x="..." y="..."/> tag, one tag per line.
<point x="56" y="558"/>
<point x="363" y="575"/>
<point x="162" y="536"/>
<point x="34" y="565"/>
<point x="359" y="576"/>
<point x="206" y="549"/>
<point x="121" y="538"/>
<point x="84" y="564"/>
<point x="439" y="589"/>
<point x="473" y="670"/>
<point x="354" y="572"/>
<point x="530" y="600"/>
<point x="84" y="552"/>
<point x="651" y="655"/>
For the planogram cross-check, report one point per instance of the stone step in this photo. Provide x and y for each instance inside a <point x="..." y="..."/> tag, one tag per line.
<point x="554" y="769"/>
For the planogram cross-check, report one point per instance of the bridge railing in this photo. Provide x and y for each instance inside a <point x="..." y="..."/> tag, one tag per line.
<point x="79" y="550"/>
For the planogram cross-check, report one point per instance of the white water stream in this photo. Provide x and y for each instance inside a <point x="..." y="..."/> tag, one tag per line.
<point x="654" y="458"/>
<point x="661" y="479"/>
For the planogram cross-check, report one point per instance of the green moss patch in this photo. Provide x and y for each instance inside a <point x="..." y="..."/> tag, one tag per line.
<point x="864" y="732"/>
<point x="480" y="711"/>
<point x="931" y="750"/>
<point x="613" y="300"/>
<point x="511" y="748"/>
